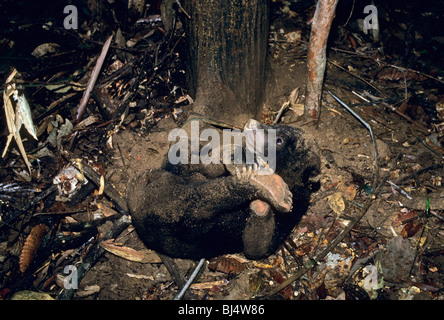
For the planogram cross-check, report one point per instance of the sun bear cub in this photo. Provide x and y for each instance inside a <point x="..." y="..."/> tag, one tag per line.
<point x="203" y="210"/>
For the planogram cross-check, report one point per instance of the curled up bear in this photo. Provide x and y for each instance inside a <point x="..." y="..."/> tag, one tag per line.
<point x="199" y="210"/>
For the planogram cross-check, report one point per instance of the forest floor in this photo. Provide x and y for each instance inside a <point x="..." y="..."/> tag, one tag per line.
<point x="374" y="229"/>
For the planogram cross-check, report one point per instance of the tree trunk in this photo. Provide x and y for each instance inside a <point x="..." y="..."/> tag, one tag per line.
<point x="317" y="57"/>
<point x="226" y="63"/>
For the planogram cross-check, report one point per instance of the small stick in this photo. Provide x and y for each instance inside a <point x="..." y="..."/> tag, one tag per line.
<point x="28" y="205"/>
<point x="356" y="76"/>
<point x="400" y="190"/>
<point x="92" y="81"/>
<point x="190" y="280"/>
<point x="418" y="125"/>
<point x="281" y="111"/>
<point x="375" y="149"/>
<point x="405" y="80"/>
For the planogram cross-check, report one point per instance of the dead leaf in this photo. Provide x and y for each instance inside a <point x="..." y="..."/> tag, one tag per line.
<point x="24" y="113"/>
<point x="262" y="265"/>
<point x="107" y="211"/>
<point x="411" y="228"/>
<point x="349" y="192"/>
<point x="227" y="264"/>
<point x="304" y="249"/>
<point x="279" y="276"/>
<point x="209" y="285"/>
<point x="336" y="202"/>
<point x="404" y="217"/>
<point x="89" y="290"/>
<point x="298" y="109"/>
<point x="397" y="74"/>
<point x="294" y="36"/>
<point x="129" y="253"/>
<point x="15" y="119"/>
<point x="44" y="49"/>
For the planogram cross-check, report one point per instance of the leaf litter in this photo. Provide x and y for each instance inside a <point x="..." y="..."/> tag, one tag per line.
<point x="393" y="249"/>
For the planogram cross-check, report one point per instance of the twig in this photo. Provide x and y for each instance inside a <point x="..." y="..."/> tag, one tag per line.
<point x="356" y="76"/>
<point x="436" y="215"/>
<point x="427" y="215"/>
<point x="356" y="53"/>
<point x="376" y="100"/>
<point x="421" y="127"/>
<point x="175" y="273"/>
<point x="190" y="280"/>
<point x="173" y="270"/>
<point x="400" y="190"/>
<point x="375" y="148"/>
<point x="361" y="97"/>
<point x="281" y="111"/>
<point x="180" y="6"/>
<point x="350" y="15"/>
<point x="294" y="95"/>
<point x="92" y="81"/>
<point x="55" y="105"/>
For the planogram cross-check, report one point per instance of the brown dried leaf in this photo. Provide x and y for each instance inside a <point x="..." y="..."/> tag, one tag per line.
<point x="129" y="253"/>
<point x="227" y="265"/>
<point x="336" y="203"/>
<point x="294" y="36"/>
<point x="411" y="228"/>
<point x="349" y="192"/>
<point x="304" y="249"/>
<point x="279" y="276"/>
<point x="402" y="217"/>
<point x="213" y="285"/>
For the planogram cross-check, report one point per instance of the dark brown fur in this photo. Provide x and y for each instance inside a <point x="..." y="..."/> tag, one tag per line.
<point x="195" y="211"/>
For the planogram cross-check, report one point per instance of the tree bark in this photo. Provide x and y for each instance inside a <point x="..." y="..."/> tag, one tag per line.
<point x="317" y="58"/>
<point x="226" y="63"/>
